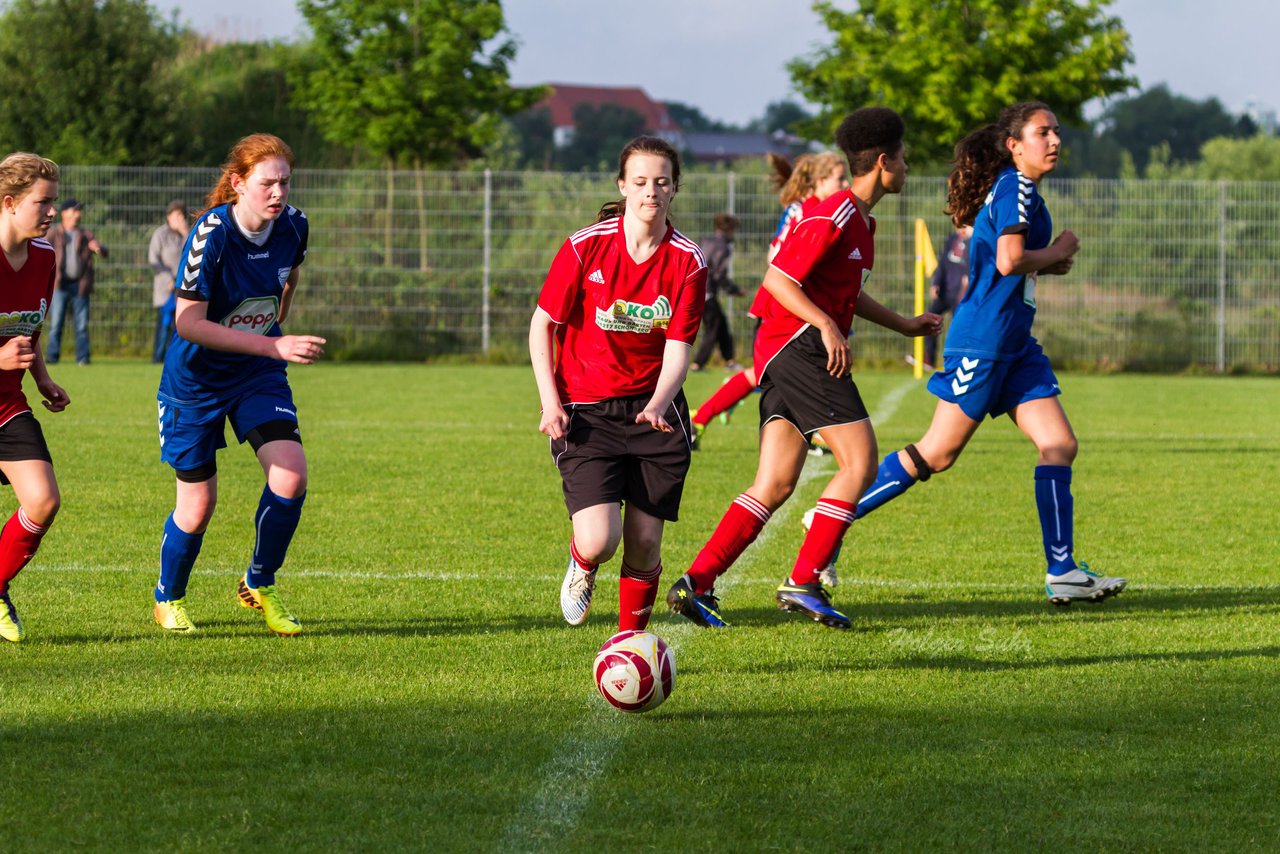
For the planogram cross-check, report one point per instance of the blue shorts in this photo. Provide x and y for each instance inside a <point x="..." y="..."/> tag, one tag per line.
<point x="193" y="431"/>
<point x="982" y="386"/>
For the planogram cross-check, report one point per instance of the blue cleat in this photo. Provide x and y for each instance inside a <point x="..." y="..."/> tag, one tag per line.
<point x="813" y="601"/>
<point x="702" y="609"/>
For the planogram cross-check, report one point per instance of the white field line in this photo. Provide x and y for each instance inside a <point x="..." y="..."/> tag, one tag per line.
<point x="584" y="754"/>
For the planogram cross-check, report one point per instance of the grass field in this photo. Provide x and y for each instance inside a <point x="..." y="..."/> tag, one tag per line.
<point x="436" y="701"/>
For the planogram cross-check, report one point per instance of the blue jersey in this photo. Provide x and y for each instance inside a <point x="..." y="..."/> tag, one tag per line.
<point x="242" y="283"/>
<point x="994" y="319"/>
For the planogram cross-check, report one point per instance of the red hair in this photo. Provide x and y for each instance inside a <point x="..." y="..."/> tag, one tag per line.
<point x="244" y="155"/>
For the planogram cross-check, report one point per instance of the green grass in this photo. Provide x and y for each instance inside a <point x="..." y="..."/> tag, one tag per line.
<point x="436" y="701"/>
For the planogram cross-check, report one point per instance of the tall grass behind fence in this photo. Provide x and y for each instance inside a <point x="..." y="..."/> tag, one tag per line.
<point x="407" y="265"/>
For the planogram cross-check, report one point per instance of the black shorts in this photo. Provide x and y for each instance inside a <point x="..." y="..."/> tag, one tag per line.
<point x="797" y="388"/>
<point x="22" y="439"/>
<point x="607" y="457"/>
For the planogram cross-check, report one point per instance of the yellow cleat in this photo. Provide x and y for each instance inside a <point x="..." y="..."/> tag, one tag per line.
<point x="10" y="626"/>
<point x="172" y="615"/>
<point x="265" y="599"/>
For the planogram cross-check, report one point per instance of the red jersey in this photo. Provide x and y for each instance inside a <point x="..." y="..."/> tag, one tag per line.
<point x="829" y="254"/>
<point x="614" y="316"/>
<point x="791" y="217"/>
<point x="24" y="304"/>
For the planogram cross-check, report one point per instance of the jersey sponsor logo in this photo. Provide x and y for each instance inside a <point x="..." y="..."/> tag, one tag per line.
<point x="625" y="316"/>
<point x="23" y="322"/>
<point x="254" y="315"/>
<point x="597" y="277"/>
<point x="964" y="374"/>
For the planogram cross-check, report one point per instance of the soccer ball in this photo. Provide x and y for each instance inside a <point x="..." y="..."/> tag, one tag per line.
<point x="635" y="671"/>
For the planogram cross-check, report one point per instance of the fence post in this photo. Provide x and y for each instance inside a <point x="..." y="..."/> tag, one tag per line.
<point x="488" y="230"/>
<point x="1222" y="276"/>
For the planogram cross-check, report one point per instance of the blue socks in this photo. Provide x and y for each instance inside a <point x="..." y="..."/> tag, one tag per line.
<point x="273" y="525"/>
<point x="178" y="553"/>
<point x="1057" y="517"/>
<point x="891" y="481"/>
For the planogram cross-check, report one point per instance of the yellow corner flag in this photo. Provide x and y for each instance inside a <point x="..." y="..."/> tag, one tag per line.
<point x="926" y="263"/>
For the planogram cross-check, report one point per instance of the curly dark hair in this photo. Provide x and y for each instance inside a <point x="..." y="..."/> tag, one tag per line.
<point x="641" y="145"/>
<point x="867" y="133"/>
<point x="981" y="156"/>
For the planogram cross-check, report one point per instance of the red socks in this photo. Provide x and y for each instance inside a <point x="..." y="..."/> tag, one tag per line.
<point x="733" y="390"/>
<point x="831" y="519"/>
<point x="739" y="527"/>
<point x="579" y="560"/>
<point x="636" y="593"/>
<point x="18" y="543"/>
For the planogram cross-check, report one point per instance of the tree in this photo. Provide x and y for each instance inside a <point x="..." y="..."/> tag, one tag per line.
<point x="693" y="120"/>
<point x="782" y="116"/>
<point x="536" y="137"/>
<point x="1159" y="117"/>
<point x="82" y="81"/>
<point x="599" y="134"/>
<point x="413" y="81"/>
<point x="950" y="65"/>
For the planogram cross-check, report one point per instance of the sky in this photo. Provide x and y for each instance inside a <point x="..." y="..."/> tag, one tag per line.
<point x="728" y="57"/>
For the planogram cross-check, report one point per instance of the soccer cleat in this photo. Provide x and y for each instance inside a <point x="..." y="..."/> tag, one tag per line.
<point x="698" y="430"/>
<point x="267" y="600"/>
<point x="818" y="446"/>
<point x="575" y="593"/>
<point x="813" y="601"/>
<point x="703" y="609"/>
<point x="172" y="615"/>
<point x="1081" y="585"/>
<point x="10" y="626"/>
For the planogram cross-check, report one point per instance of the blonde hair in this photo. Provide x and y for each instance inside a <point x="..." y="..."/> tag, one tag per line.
<point x="244" y="155"/>
<point x="20" y="171"/>
<point x="807" y="171"/>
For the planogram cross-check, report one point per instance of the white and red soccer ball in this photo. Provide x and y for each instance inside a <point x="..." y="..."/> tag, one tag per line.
<point x="635" y="671"/>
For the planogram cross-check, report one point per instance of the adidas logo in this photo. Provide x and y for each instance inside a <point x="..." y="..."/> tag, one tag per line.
<point x="597" y="277"/>
<point x="855" y="255"/>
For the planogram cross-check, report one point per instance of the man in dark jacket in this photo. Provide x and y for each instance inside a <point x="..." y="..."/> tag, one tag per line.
<point x="717" y="249"/>
<point x="74" y="249"/>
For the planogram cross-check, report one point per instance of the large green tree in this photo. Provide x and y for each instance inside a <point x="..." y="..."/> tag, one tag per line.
<point x="949" y="65"/>
<point x="83" y="81"/>
<point x="415" y="82"/>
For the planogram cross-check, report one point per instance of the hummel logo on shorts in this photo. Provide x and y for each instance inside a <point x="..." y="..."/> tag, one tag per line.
<point x="597" y="277"/>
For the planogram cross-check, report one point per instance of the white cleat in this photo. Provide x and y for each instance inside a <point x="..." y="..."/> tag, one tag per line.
<point x="1081" y="585"/>
<point x="575" y="593"/>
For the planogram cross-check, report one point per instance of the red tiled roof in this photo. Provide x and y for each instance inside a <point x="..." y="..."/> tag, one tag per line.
<point x="565" y="97"/>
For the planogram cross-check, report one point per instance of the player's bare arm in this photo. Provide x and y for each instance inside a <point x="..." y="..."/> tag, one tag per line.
<point x="54" y="397"/>
<point x="193" y="324"/>
<point x="554" y="421"/>
<point x="675" y="366"/>
<point x="286" y="296"/>
<point x="793" y="298"/>
<point x="912" y="327"/>
<point x="1014" y="259"/>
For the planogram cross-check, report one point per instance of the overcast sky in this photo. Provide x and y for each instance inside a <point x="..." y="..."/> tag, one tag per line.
<point x="728" y="57"/>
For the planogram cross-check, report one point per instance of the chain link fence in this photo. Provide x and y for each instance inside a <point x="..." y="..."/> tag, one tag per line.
<point x="414" y="265"/>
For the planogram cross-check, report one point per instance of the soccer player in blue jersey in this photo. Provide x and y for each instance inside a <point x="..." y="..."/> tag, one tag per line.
<point x="238" y="274"/>
<point x="992" y="365"/>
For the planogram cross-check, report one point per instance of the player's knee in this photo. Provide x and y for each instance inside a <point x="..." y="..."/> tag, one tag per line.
<point x="1060" y="452"/>
<point x="773" y="493"/>
<point x="287" y="483"/>
<point x="194" y="514"/>
<point x="42" y="509"/>
<point x="595" y="548"/>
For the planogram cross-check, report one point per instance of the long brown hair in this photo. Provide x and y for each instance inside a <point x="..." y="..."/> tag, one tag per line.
<point x="807" y="171"/>
<point x="244" y="155"/>
<point x="981" y="156"/>
<point x="20" y="171"/>
<point x="641" y="145"/>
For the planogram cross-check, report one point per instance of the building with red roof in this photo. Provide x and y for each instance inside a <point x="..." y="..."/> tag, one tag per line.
<point x="566" y="97"/>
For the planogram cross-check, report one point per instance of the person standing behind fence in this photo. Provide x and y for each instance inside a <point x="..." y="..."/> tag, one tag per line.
<point x="239" y="273"/>
<point x="993" y="365"/>
<point x="718" y="250"/>
<point x="164" y="255"/>
<point x="950" y="280"/>
<point x="609" y="342"/>
<point x="75" y="248"/>
<point x="28" y="189"/>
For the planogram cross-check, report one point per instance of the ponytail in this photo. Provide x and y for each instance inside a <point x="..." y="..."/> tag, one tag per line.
<point x="980" y="157"/>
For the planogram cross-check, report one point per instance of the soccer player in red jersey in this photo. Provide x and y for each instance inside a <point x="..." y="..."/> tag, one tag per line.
<point x="610" y="344"/>
<point x="813" y="178"/>
<point x="28" y="189"/>
<point x="815" y="285"/>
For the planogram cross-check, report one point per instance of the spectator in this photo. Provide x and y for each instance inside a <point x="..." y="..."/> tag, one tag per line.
<point x="718" y="249"/>
<point x="73" y="249"/>
<point x="164" y="255"/>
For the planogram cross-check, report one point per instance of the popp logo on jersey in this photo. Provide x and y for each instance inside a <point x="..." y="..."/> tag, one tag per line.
<point x="625" y="316"/>
<point x="254" y="315"/>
